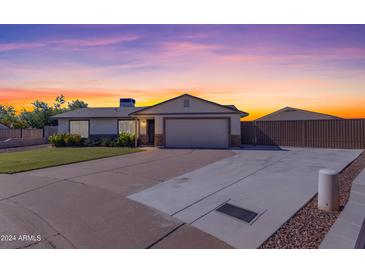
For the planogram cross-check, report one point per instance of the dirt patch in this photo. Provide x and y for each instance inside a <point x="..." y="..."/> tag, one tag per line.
<point x="308" y="227"/>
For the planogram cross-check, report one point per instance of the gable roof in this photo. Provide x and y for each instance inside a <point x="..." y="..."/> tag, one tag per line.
<point x="229" y="107"/>
<point x="107" y="112"/>
<point x="127" y="112"/>
<point x="290" y="113"/>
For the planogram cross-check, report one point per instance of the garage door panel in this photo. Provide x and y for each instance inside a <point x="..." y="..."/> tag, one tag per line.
<point x="198" y="133"/>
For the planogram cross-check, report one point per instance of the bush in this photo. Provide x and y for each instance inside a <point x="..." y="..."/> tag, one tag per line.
<point x="57" y="140"/>
<point x="61" y="140"/>
<point x="88" y="142"/>
<point x="73" y="140"/>
<point x="126" y="139"/>
<point x="105" y="142"/>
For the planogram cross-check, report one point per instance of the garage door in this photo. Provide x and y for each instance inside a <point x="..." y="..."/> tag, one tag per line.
<point x="197" y="133"/>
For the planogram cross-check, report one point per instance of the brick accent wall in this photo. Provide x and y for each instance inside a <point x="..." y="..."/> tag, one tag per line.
<point x="159" y="140"/>
<point x="235" y="140"/>
<point x="142" y="140"/>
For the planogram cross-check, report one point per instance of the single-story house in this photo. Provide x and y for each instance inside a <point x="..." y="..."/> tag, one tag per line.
<point x="185" y="121"/>
<point x="3" y="126"/>
<point x="290" y="113"/>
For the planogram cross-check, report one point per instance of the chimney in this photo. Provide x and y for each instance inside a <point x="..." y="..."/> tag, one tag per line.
<point x="127" y="102"/>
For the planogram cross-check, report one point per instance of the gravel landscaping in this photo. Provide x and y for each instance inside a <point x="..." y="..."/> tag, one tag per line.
<point x="308" y="227"/>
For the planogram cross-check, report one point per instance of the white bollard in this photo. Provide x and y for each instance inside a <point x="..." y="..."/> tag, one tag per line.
<point x="328" y="190"/>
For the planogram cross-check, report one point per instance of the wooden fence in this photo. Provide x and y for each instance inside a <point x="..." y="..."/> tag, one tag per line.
<point x="342" y="133"/>
<point x="49" y="130"/>
<point x="28" y="133"/>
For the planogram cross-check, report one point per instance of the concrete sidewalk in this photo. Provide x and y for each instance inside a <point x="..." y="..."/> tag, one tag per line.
<point x="274" y="184"/>
<point x="348" y="232"/>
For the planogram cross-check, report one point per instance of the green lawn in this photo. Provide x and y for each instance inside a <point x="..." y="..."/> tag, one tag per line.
<point x="12" y="162"/>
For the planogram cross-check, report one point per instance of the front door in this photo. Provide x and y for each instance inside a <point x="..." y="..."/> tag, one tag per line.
<point x="151" y="132"/>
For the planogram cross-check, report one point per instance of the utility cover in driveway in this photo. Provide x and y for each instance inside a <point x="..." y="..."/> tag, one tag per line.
<point x="274" y="182"/>
<point x="237" y="212"/>
<point x="197" y="133"/>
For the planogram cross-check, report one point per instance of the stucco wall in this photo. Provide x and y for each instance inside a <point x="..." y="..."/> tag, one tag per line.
<point x="98" y="126"/>
<point x="103" y="126"/>
<point x="63" y="126"/>
<point x="143" y="126"/>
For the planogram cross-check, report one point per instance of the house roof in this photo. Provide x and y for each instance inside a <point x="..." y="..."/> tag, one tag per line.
<point x="230" y="107"/>
<point x="290" y="113"/>
<point x="233" y="107"/>
<point x="126" y="112"/>
<point x="3" y="126"/>
<point x="107" y="112"/>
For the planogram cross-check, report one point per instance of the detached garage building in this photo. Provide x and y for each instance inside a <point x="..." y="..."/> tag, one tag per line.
<point x="185" y="121"/>
<point x="291" y="114"/>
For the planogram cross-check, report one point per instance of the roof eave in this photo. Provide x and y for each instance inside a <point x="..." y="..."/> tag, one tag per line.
<point x="186" y="94"/>
<point x="88" y="117"/>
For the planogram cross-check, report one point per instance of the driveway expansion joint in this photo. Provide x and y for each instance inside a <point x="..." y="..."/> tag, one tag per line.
<point x="209" y="211"/>
<point x="44" y="220"/>
<point x="31" y="190"/>
<point x="235" y="182"/>
<point x="132" y="165"/>
<point x="165" y="236"/>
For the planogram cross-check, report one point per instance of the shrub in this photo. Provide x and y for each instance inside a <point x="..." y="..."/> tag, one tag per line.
<point x="105" y="142"/>
<point x="87" y="142"/>
<point x="73" y="140"/>
<point x="57" y="140"/>
<point x="61" y="140"/>
<point x="126" y="139"/>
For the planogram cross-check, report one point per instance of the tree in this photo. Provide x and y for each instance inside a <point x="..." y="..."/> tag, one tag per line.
<point x="9" y="118"/>
<point x="59" y="101"/>
<point x="40" y="115"/>
<point x="77" y="104"/>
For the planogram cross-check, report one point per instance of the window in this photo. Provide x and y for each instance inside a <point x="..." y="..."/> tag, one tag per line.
<point x="186" y="103"/>
<point x="127" y="126"/>
<point x="80" y="127"/>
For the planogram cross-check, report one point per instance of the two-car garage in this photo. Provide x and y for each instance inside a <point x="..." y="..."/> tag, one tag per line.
<point x="197" y="132"/>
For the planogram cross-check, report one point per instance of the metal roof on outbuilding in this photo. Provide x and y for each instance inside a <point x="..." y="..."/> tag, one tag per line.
<point x="290" y="113"/>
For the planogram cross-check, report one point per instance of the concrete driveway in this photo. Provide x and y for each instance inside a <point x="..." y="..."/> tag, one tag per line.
<point x="161" y="198"/>
<point x="84" y="205"/>
<point x="274" y="184"/>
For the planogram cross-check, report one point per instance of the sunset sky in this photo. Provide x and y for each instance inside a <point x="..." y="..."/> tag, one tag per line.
<point x="259" y="68"/>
